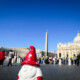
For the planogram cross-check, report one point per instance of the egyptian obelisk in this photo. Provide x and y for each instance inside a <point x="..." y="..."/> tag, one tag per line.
<point x="46" y="45"/>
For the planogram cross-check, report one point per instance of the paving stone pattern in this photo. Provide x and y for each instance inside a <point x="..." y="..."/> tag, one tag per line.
<point x="50" y="72"/>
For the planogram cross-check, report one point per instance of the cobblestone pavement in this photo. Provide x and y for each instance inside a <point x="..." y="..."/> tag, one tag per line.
<point x="50" y="72"/>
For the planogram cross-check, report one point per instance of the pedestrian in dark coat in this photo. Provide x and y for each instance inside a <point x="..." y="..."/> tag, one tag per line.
<point x="77" y="60"/>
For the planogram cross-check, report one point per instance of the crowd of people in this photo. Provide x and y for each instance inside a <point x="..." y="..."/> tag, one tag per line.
<point x="75" y="60"/>
<point x="3" y="56"/>
<point x="46" y="60"/>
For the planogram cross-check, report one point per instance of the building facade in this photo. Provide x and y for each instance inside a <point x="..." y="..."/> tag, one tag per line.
<point x="21" y="52"/>
<point x="66" y="50"/>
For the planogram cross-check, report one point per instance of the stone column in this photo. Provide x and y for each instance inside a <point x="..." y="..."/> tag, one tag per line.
<point x="75" y="52"/>
<point x="61" y="54"/>
<point x="46" y="45"/>
<point x="65" y="57"/>
<point x="65" y="54"/>
<point x="69" y="60"/>
<point x="58" y="55"/>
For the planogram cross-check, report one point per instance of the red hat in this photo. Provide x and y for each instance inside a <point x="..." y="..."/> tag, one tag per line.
<point x="30" y="58"/>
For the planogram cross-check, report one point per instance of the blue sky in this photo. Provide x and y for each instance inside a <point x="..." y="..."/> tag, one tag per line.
<point x="25" y="22"/>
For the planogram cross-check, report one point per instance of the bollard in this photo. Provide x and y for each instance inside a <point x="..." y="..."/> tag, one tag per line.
<point x="69" y="61"/>
<point x="12" y="60"/>
<point x="59" y="61"/>
<point x="18" y="60"/>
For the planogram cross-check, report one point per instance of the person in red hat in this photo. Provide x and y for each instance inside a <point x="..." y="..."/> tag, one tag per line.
<point x="30" y="68"/>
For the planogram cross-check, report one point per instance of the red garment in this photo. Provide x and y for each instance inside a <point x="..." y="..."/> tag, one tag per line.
<point x="2" y="55"/>
<point x="38" y="78"/>
<point x="17" y="77"/>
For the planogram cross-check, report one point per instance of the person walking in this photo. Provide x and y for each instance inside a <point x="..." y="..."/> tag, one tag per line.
<point x="47" y="60"/>
<point x="2" y="57"/>
<point x="74" y="59"/>
<point x="77" y="60"/>
<point x="41" y="60"/>
<point x="11" y="55"/>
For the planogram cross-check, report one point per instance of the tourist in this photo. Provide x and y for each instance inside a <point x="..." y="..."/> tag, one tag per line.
<point x="54" y="60"/>
<point x="41" y="60"/>
<point x="77" y="60"/>
<point x="50" y="60"/>
<point x="63" y="60"/>
<point x="66" y="60"/>
<point x="44" y="60"/>
<point x="71" y="61"/>
<point x="47" y="60"/>
<point x="2" y="57"/>
<point x="57" y="60"/>
<point x="74" y="59"/>
<point x="11" y="55"/>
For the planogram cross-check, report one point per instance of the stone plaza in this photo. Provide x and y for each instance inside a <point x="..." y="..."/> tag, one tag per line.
<point x="50" y="72"/>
